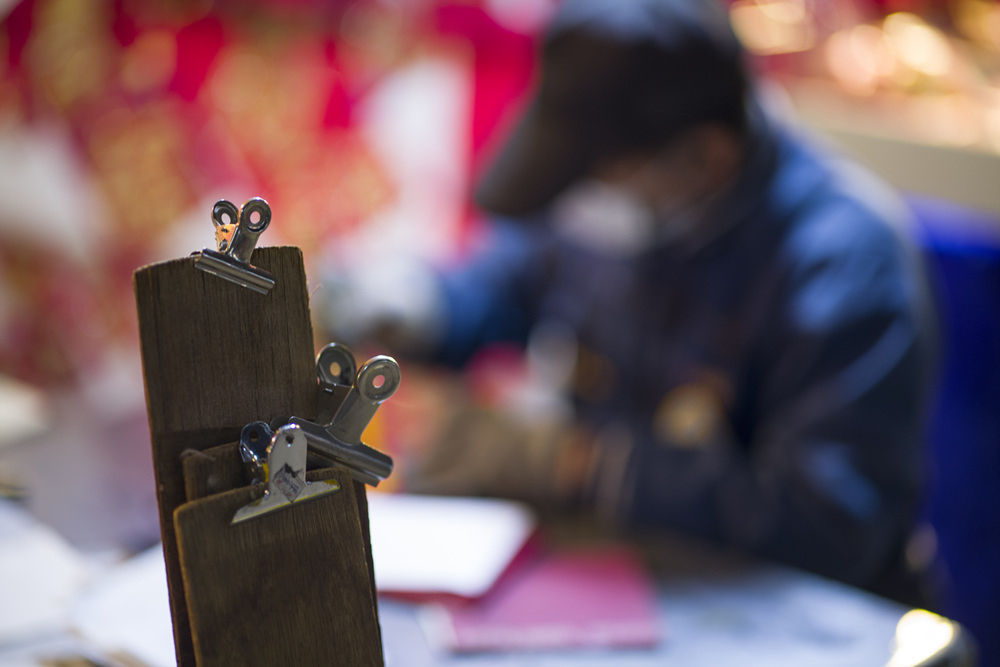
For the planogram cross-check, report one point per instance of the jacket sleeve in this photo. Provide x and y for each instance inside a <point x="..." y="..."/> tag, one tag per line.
<point x="830" y="477"/>
<point x="487" y="297"/>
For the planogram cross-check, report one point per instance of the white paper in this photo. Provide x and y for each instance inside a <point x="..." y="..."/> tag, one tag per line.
<point x="432" y="544"/>
<point x="127" y="611"/>
<point x="24" y="411"/>
<point x="40" y="576"/>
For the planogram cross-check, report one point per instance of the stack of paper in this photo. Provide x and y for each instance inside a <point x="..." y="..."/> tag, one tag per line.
<point x="425" y="547"/>
<point x="491" y="585"/>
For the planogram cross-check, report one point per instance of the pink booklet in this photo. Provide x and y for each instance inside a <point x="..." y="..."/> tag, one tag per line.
<point x="592" y="597"/>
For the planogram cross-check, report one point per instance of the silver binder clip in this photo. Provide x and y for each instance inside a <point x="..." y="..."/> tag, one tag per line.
<point x="335" y="371"/>
<point x="286" y="476"/>
<point x="236" y="233"/>
<point x="255" y="438"/>
<point x="339" y="441"/>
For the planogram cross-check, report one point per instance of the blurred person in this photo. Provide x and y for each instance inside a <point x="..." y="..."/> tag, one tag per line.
<point x="742" y="330"/>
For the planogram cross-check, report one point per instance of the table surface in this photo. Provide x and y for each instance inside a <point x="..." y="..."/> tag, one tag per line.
<point x="712" y="609"/>
<point x="90" y="491"/>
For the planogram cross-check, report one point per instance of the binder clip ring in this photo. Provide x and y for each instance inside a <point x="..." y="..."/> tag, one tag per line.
<point x="236" y="234"/>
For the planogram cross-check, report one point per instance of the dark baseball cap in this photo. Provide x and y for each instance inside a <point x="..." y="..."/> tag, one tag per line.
<point x="617" y="77"/>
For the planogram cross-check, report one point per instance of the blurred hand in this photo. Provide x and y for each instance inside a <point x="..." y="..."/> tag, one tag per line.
<point x="485" y="452"/>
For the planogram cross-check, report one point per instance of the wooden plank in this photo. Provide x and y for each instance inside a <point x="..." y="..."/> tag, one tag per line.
<point x="215" y="357"/>
<point x="361" y="498"/>
<point x="214" y="470"/>
<point x="219" y="469"/>
<point x="296" y="583"/>
<point x="216" y="354"/>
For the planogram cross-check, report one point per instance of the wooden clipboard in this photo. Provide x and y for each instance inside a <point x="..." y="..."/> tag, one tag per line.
<point x="295" y="587"/>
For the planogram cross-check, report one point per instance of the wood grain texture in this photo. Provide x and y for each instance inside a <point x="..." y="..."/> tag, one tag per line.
<point x="220" y="469"/>
<point x="214" y="470"/>
<point x="361" y="498"/>
<point x="216" y="354"/>
<point x="215" y="357"/>
<point x="296" y="582"/>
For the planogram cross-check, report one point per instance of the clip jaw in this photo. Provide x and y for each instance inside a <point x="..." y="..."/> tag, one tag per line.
<point x="286" y="476"/>
<point x="236" y="233"/>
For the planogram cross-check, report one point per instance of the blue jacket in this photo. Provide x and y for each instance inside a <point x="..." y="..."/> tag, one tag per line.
<point x="760" y="383"/>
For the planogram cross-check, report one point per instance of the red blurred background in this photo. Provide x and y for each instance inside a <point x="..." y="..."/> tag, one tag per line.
<point x="122" y="121"/>
<point x="362" y="123"/>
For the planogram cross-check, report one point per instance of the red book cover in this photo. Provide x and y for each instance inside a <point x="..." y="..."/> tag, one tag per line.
<point x="593" y="597"/>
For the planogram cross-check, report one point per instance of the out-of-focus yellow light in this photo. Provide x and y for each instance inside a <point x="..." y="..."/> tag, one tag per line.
<point x="950" y="119"/>
<point x="919" y="636"/>
<point x="240" y="81"/>
<point x="150" y="62"/>
<point x="979" y="20"/>
<point x="918" y="44"/>
<point x="844" y="60"/>
<point x="991" y="119"/>
<point x="69" y="50"/>
<point x="784" y="11"/>
<point x="768" y="27"/>
<point x="871" y="51"/>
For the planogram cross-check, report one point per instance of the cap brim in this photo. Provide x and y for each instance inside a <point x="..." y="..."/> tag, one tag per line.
<point x="544" y="154"/>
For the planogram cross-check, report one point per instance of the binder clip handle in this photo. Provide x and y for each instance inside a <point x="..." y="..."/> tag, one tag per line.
<point x="236" y="234"/>
<point x="249" y="229"/>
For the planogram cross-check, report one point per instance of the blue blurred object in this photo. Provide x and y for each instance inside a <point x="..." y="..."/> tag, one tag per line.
<point x="963" y="250"/>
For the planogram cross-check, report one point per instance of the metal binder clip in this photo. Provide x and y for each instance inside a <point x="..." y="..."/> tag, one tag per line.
<point x="254" y="441"/>
<point x="340" y="440"/>
<point x="335" y="370"/>
<point x="236" y="233"/>
<point x="286" y="476"/>
<point x="335" y="373"/>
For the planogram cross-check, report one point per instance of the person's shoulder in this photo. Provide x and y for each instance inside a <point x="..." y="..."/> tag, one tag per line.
<point x="848" y="249"/>
<point x="836" y="206"/>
